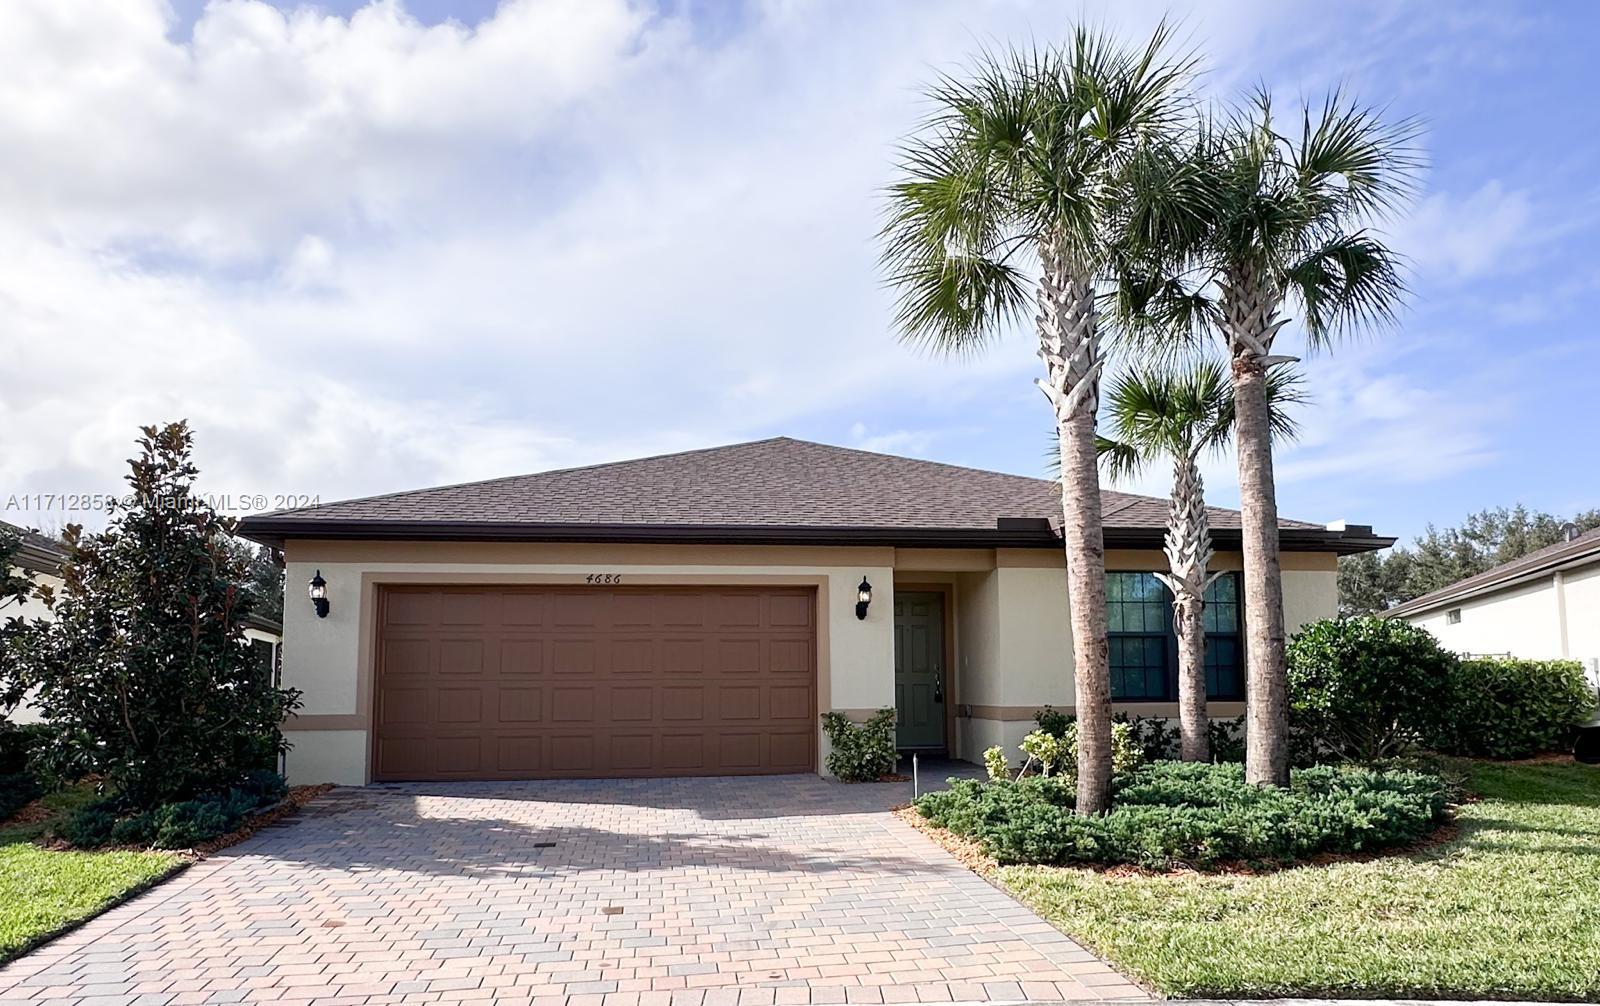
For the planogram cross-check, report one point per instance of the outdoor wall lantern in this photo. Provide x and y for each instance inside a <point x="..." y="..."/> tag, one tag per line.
<point x="319" y="594"/>
<point x="863" y="598"/>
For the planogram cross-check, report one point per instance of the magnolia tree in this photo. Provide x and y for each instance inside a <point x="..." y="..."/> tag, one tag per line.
<point x="144" y="676"/>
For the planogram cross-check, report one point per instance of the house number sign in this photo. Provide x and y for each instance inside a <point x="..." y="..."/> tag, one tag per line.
<point x="603" y="578"/>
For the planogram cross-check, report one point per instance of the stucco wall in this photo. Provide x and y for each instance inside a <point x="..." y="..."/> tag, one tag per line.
<point x="327" y="658"/>
<point x="30" y="608"/>
<point x="1556" y="616"/>
<point x="1522" y="621"/>
<point x="1582" y="590"/>
<point x="1017" y="641"/>
<point x="1008" y="614"/>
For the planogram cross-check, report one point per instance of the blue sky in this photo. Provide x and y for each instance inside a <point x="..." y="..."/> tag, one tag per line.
<point x="367" y="247"/>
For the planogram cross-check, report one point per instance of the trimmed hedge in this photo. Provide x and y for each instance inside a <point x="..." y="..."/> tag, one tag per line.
<point x="1502" y="707"/>
<point x="862" y="752"/>
<point x="1170" y="814"/>
<point x="1365" y="688"/>
<point x="180" y="825"/>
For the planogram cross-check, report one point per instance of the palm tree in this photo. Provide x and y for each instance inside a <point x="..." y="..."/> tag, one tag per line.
<point x="1182" y="414"/>
<point x="1282" y="228"/>
<point x="1018" y="170"/>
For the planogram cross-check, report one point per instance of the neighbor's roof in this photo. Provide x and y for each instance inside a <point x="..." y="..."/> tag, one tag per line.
<point x="1531" y="566"/>
<point x="35" y="552"/>
<point x="777" y="491"/>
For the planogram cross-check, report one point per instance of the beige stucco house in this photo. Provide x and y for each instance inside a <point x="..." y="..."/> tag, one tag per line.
<point x="1545" y="605"/>
<point x="694" y="613"/>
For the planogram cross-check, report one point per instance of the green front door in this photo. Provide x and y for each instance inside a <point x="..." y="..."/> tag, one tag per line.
<point x="919" y="685"/>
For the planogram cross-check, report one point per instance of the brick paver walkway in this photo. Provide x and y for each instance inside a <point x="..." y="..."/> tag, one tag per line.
<point x="699" y="892"/>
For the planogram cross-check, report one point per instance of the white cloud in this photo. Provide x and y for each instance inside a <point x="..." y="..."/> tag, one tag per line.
<point x="363" y="253"/>
<point x="1467" y="237"/>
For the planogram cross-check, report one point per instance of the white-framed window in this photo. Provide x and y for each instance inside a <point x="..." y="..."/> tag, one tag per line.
<point x="1453" y="616"/>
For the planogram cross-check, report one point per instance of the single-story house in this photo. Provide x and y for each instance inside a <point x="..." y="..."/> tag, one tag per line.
<point x="692" y="614"/>
<point x="1545" y="605"/>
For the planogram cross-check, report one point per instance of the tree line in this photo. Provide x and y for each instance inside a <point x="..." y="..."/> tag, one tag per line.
<point x="1373" y="582"/>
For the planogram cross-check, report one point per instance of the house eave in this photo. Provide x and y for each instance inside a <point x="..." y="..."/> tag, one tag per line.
<point x="274" y="532"/>
<point x="1447" y="597"/>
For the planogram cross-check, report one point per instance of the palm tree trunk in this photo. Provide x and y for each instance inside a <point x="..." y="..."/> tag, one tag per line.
<point x="1250" y="315"/>
<point x="1188" y="548"/>
<point x="1193" y="725"/>
<point x="1069" y="345"/>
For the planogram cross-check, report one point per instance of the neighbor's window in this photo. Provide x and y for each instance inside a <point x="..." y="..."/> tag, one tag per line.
<point x="1144" y="648"/>
<point x="1453" y="616"/>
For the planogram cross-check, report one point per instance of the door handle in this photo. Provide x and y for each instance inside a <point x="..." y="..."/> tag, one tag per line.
<point x="938" y="688"/>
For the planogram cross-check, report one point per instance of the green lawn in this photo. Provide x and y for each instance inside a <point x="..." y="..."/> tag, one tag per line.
<point x="1509" y="909"/>
<point x="42" y="891"/>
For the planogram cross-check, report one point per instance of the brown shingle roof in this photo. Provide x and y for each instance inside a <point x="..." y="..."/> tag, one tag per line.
<point x="773" y="484"/>
<point x="36" y="553"/>
<point x="1547" y="558"/>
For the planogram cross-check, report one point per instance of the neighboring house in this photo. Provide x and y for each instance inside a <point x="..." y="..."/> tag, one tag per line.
<point x="1544" y="605"/>
<point x="692" y="614"/>
<point x="266" y="640"/>
<point x="40" y="558"/>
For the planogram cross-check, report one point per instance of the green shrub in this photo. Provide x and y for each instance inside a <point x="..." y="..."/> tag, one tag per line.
<point x="264" y="785"/>
<point x="180" y="825"/>
<point x="1227" y="739"/>
<point x="1046" y="751"/>
<point x="191" y="822"/>
<point x="1502" y="707"/>
<point x="1156" y="736"/>
<point x="17" y="790"/>
<point x="19" y="746"/>
<point x="90" y="825"/>
<point x="140" y="829"/>
<point x="1053" y="721"/>
<point x="996" y="763"/>
<point x="1171" y="813"/>
<point x="860" y="752"/>
<point x="1366" y="688"/>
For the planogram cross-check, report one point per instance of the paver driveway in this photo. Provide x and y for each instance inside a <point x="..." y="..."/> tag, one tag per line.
<point x="696" y="892"/>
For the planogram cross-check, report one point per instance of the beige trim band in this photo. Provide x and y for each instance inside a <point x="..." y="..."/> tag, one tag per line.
<point x="1147" y="710"/>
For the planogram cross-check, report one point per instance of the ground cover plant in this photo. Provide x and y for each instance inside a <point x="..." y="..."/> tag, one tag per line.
<point x="1506" y="908"/>
<point x="1170" y="814"/>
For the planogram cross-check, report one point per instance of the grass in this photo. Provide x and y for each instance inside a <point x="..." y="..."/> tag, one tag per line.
<point x="1508" y="909"/>
<point x="43" y="892"/>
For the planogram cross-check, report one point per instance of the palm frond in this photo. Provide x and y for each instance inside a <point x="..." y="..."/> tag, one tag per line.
<point x="1348" y="281"/>
<point x="1120" y="460"/>
<point x="1348" y="157"/>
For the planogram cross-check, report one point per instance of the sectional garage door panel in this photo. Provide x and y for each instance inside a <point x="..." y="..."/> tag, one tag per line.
<point x="557" y="682"/>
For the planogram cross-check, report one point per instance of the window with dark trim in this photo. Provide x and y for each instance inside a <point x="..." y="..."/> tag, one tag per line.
<point x="1144" y="648"/>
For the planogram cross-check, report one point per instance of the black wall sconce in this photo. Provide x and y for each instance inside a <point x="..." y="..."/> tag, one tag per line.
<point x="319" y="594"/>
<point x="863" y="598"/>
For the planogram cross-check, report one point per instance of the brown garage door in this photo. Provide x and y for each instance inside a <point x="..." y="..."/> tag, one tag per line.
<point x="556" y="682"/>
